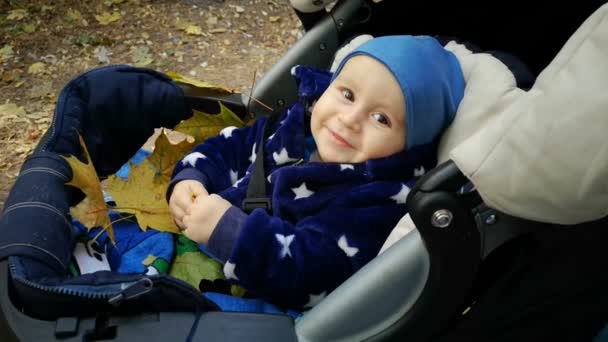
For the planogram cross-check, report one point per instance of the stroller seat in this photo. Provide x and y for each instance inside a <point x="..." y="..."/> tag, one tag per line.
<point x="468" y="271"/>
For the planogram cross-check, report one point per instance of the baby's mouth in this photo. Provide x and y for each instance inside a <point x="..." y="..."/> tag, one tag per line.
<point x="339" y="140"/>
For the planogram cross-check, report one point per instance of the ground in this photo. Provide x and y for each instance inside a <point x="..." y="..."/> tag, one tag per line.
<point x="44" y="44"/>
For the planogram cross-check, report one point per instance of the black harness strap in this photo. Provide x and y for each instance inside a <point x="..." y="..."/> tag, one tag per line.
<point x="256" y="190"/>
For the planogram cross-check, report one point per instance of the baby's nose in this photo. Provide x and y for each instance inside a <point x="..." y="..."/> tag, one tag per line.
<point x="351" y="118"/>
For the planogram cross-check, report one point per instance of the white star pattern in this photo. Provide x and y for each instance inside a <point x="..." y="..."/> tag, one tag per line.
<point x="192" y="158"/>
<point x="271" y="136"/>
<point x="285" y="241"/>
<point x="227" y="132"/>
<point x="346" y="167"/>
<point x="314" y="299"/>
<point x="236" y="184"/>
<point x="343" y="244"/>
<point x="229" y="270"/>
<point x="302" y="191"/>
<point x="234" y="176"/>
<point x="419" y="171"/>
<point x="401" y="196"/>
<point x="252" y="158"/>
<point x="269" y="178"/>
<point x="282" y="157"/>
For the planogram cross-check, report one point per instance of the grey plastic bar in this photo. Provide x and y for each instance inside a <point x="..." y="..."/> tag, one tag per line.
<point x="372" y="299"/>
<point x="316" y="48"/>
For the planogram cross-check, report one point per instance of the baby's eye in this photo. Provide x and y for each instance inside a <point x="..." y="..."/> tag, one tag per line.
<point x="382" y="119"/>
<point x="348" y="94"/>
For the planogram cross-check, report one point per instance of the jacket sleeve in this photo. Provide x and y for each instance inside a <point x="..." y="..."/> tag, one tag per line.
<point x="296" y="264"/>
<point x="222" y="160"/>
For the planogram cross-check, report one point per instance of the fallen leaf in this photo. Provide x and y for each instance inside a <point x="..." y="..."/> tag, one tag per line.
<point x="166" y="155"/>
<point x="191" y="265"/>
<point x="92" y="211"/>
<point x="46" y="8"/>
<point x="194" y="30"/>
<point x="211" y="21"/>
<point x="6" y="52"/>
<point x="106" y="18"/>
<point x="143" y="194"/>
<point x="103" y="55"/>
<point x="274" y="19"/>
<point x="202" y="125"/>
<point x="141" y="56"/>
<point x="73" y="16"/>
<point x="41" y="90"/>
<point x="17" y="14"/>
<point x="11" y="75"/>
<point x="28" y="28"/>
<point x="109" y="3"/>
<point x="201" y="88"/>
<point x="11" y="109"/>
<point x="36" y="68"/>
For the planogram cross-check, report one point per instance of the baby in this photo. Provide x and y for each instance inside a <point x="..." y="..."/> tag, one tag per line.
<point x="338" y="178"/>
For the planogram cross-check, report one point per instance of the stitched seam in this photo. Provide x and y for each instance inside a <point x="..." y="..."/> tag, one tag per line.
<point x="35" y="205"/>
<point x="35" y="247"/>
<point x="45" y="170"/>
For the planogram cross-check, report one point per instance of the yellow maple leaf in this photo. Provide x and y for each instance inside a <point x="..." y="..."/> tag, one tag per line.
<point x="106" y="18"/>
<point x="200" y="88"/>
<point x="143" y="194"/>
<point x="166" y="155"/>
<point x="202" y="125"/>
<point x="92" y="211"/>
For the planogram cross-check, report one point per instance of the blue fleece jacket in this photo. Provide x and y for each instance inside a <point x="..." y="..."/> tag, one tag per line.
<point x="327" y="219"/>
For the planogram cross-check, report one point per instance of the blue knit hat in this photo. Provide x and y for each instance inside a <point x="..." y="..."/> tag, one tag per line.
<point x="430" y="78"/>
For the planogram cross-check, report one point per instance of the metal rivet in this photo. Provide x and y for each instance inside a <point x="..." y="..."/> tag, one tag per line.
<point x="281" y="103"/>
<point x="340" y="22"/>
<point x="442" y="218"/>
<point x="317" y="2"/>
<point x="491" y="219"/>
<point x="322" y="46"/>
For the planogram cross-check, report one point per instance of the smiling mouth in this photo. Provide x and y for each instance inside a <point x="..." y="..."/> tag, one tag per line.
<point x="338" y="140"/>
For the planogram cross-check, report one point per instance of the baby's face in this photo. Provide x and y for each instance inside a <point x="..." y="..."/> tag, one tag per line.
<point x="361" y="115"/>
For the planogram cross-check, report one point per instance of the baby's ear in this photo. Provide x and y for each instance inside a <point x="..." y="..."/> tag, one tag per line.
<point x="350" y="46"/>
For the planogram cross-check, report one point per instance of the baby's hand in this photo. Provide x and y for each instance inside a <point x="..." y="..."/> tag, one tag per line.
<point x="183" y="196"/>
<point x="202" y="217"/>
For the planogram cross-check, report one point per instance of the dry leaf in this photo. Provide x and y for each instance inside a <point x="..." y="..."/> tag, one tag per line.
<point x="28" y="28"/>
<point x="12" y="110"/>
<point x="194" y="30"/>
<point x="201" y="88"/>
<point x="92" y="211"/>
<point x="218" y="30"/>
<point x="143" y="194"/>
<point x="73" y="16"/>
<point x="106" y="18"/>
<point x="17" y="14"/>
<point x="141" y="56"/>
<point x="6" y="52"/>
<point x="202" y="125"/>
<point x="166" y="155"/>
<point x="103" y="54"/>
<point x="109" y="3"/>
<point x="36" y="68"/>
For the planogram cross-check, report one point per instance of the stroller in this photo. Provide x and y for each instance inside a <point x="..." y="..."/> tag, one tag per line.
<point x="467" y="272"/>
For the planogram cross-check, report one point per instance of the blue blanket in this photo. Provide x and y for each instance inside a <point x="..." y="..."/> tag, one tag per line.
<point x="155" y="252"/>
